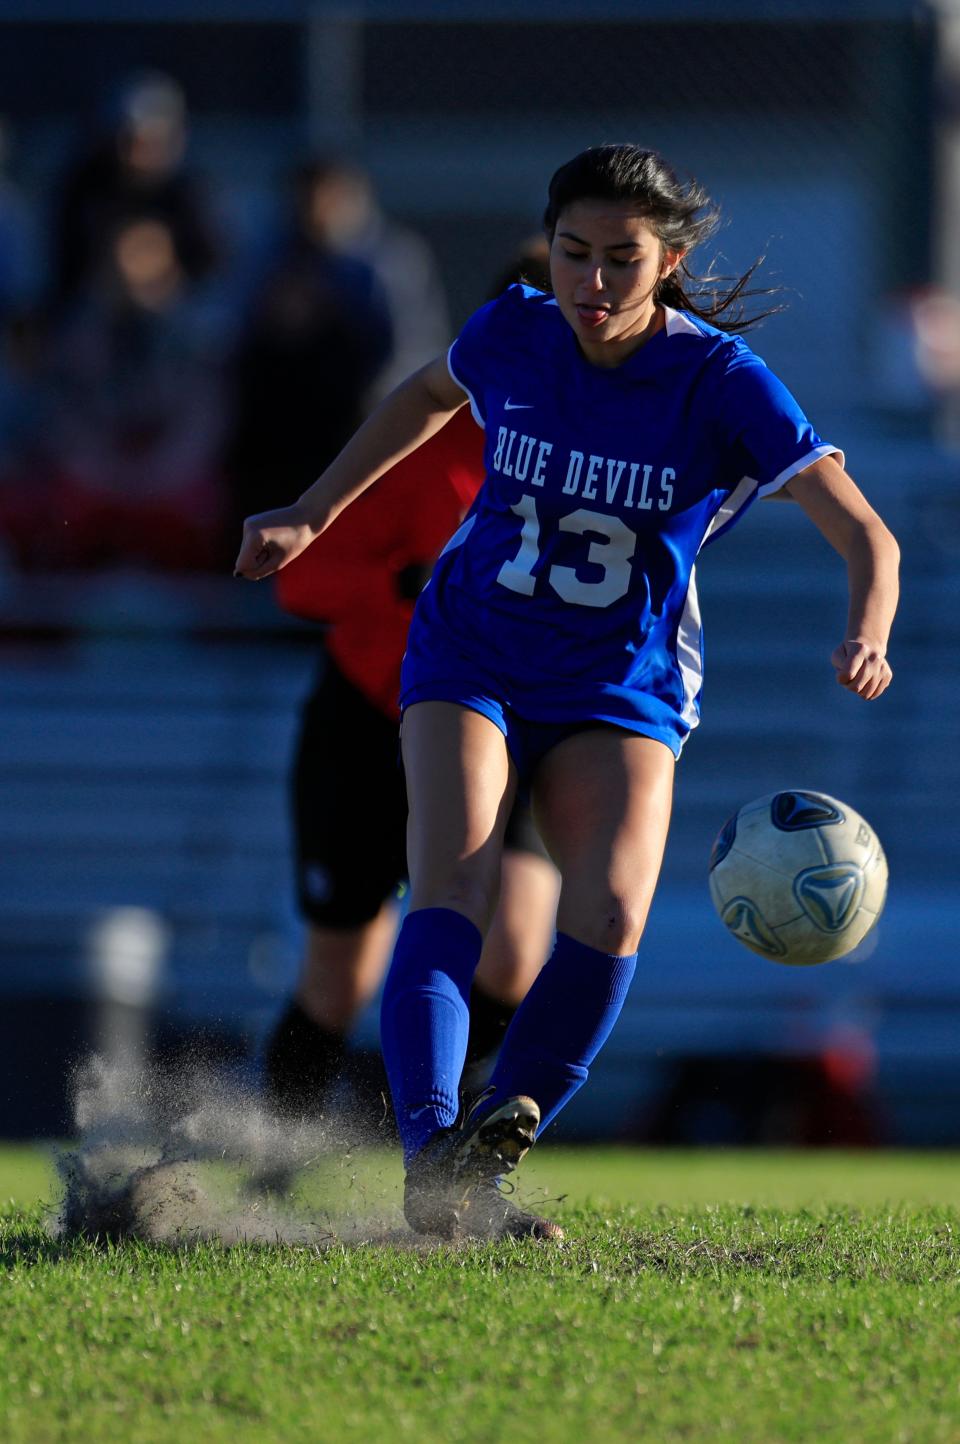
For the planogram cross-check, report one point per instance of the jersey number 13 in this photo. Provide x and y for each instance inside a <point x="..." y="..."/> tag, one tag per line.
<point x="613" y="555"/>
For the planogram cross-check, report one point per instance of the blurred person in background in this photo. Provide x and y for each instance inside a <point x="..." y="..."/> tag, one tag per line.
<point x="18" y="240"/>
<point x="21" y="331"/>
<point x="135" y="168"/>
<point x="24" y="422"/>
<point x="316" y="335"/>
<point x="348" y="795"/>
<point x="137" y="405"/>
<point x="343" y="215"/>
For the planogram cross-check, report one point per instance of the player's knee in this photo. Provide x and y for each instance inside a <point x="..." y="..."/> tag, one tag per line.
<point x="471" y="894"/>
<point x="612" y="924"/>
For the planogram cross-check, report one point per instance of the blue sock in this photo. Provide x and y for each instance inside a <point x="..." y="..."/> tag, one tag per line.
<point x="560" y="1026"/>
<point x="425" y="1020"/>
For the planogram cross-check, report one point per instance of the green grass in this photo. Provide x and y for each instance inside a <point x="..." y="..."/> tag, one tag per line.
<point x="700" y="1296"/>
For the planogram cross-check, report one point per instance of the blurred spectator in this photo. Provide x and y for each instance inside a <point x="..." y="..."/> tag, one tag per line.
<point x="317" y="335"/>
<point x="133" y="171"/>
<point x="935" y="317"/>
<point x="826" y="1099"/>
<point x="20" y="332"/>
<point x="341" y="213"/>
<point x="136" y="414"/>
<point x="18" y="249"/>
<point x="23" y="417"/>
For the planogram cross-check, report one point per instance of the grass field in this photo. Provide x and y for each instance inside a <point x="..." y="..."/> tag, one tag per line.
<point x="699" y="1296"/>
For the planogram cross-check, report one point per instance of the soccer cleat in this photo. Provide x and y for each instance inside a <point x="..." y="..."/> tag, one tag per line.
<point x="495" y="1143"/>
<point x="452" y="1187"/>
<point x="487" y="1213"/>
<point x="429" y="1193"/>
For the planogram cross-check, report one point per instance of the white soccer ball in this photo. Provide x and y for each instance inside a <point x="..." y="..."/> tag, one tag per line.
<point x="798" y="877"/>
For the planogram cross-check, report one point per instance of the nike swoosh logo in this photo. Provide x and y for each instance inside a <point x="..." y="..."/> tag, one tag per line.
<point x="509" y="405"/>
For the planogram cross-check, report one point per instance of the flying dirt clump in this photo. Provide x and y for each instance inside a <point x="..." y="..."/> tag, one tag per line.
<point x="177" y="1161"/>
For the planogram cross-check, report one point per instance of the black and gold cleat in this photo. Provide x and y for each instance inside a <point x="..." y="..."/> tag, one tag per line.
<point x="453" y="1186"/>
<point x="488" y="1213"/>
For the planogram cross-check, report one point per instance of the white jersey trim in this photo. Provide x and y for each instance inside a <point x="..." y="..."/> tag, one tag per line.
<point x="769" y="487"/>
<point x="748" y="486"/>
<point x="690" y="626"/>
<point x="735" y="502"/>
<point x="474" y="409"/>
<point x="459" y="536"/>
<point x="689" y="657"/>
<point x="677" y="324"/>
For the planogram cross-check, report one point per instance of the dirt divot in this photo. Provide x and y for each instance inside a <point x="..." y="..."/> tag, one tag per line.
<point x="197" y="1157"/>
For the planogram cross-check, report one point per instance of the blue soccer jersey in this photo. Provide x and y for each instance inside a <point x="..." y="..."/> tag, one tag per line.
<point x="569" y="593"/>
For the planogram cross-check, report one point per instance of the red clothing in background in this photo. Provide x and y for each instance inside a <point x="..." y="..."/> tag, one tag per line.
<point x="348" y="577"/>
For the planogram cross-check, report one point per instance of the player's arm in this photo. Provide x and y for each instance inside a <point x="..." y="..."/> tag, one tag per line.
<point x="407" y="418"/>
<point x="836" y="506"/>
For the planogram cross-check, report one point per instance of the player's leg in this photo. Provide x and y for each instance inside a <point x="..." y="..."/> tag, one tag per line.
<point x="516" y="945"/>
<point x="342" y="968"/>
<point x="602" y="801"/>
<point x="349" y="813"/>
<point x="519" y="936"/>
<point x="340" y="972"/>
<point x="460" y="782"/>
<point x="460" y="786"/>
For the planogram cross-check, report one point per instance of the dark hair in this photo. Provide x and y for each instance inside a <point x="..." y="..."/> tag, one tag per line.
<point x="680" y="214"/>
<point x="530" y="265"/>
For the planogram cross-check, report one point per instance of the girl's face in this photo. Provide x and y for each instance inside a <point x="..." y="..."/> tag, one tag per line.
<point x="605" y="262"/>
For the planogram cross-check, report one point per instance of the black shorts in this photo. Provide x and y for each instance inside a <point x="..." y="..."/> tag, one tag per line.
<point x="350" y="807"/>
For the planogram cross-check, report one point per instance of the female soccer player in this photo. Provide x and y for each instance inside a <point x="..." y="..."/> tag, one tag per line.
<point x="557" y="647"/>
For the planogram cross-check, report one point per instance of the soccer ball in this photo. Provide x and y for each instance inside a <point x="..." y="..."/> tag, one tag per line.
<point x="798" y="877"/>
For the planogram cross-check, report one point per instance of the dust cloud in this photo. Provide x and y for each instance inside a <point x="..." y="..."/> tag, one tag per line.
<point x="192" y="1156"/>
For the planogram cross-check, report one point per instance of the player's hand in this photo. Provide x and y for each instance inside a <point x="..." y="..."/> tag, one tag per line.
<point x="862" y="668"/>
<point x="270" y="540"/>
